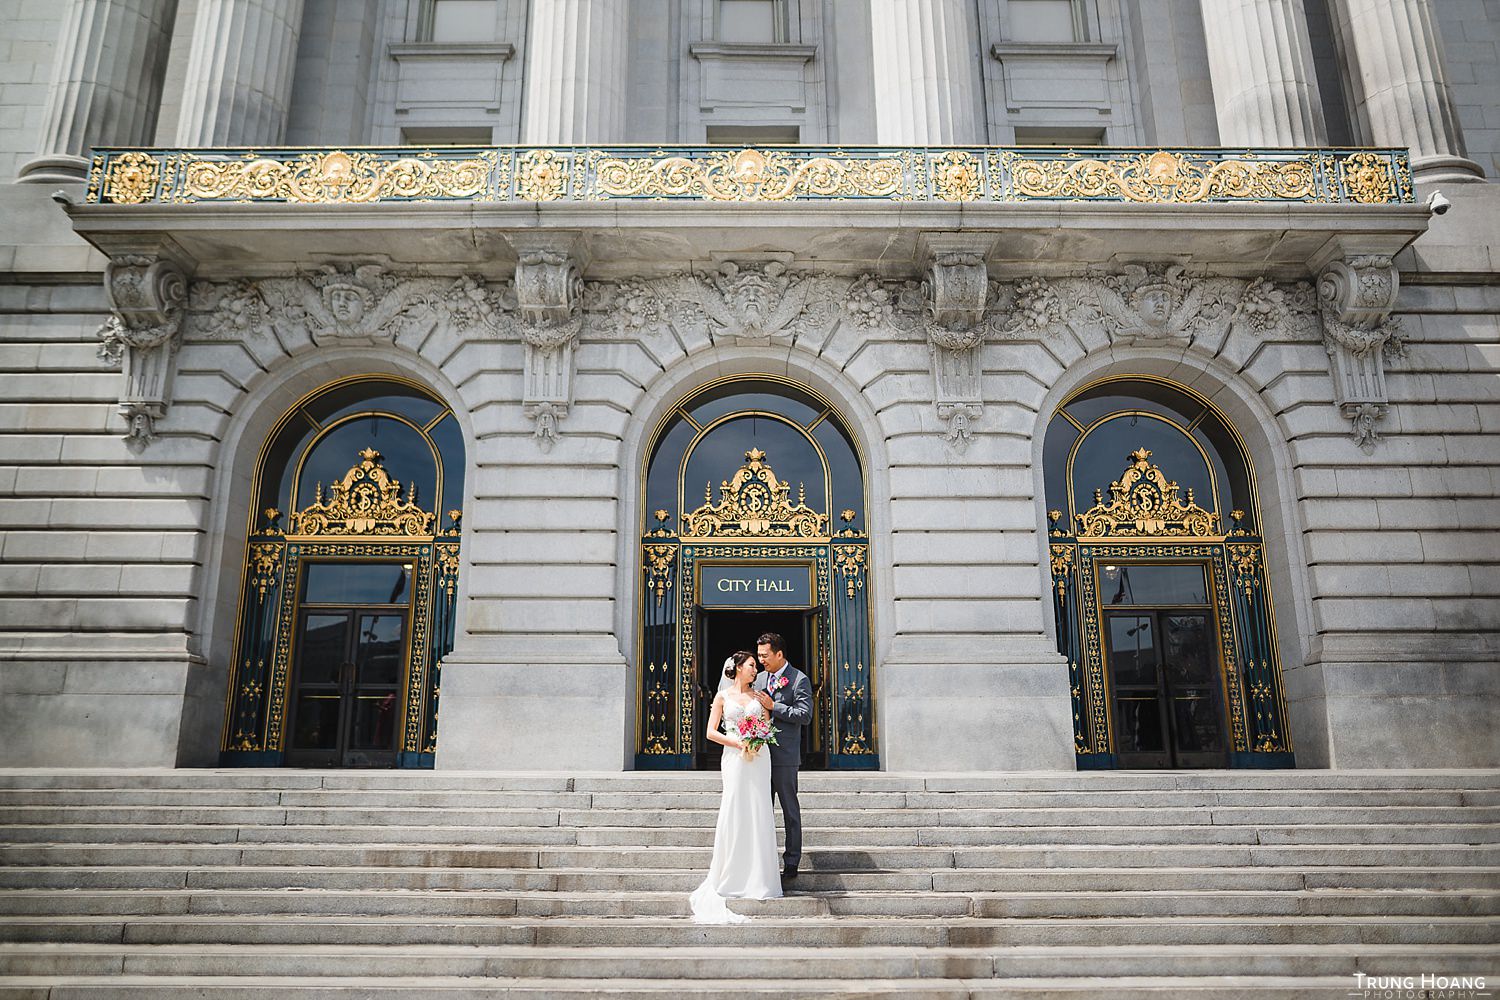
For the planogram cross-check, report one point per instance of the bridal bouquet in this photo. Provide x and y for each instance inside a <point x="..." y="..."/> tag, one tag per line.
<point x="756" y="732"/>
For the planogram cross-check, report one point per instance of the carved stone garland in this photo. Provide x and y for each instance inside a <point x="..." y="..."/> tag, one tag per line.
<point x="955" y="310"/>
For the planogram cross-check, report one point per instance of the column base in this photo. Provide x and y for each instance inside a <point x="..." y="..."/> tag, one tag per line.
<point x="55" y="168"/>
<point x="535" y="703"/>
<point x="79" y="702"/>
<point x="1403" y="701"/>
<point x="957" y="704"/>
<point x="1445" y="169"/>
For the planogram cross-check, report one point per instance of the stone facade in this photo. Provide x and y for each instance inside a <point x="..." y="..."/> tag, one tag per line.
<point x="148" y="350"/>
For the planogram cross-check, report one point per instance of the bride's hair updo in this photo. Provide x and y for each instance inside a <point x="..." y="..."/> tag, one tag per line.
<point x="735" y="659"/>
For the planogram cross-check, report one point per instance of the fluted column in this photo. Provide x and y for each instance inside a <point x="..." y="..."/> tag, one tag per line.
<point x="239" y="75"/>
<point x="575" y="72"/>
<point x="1261" y="63"/>
<point x="106" y="83"/>
<point x="1402" y="98"/>
<point x="927" y="65"/>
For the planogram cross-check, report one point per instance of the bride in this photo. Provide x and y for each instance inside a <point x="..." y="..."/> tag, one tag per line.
<point x="744" y="862"/>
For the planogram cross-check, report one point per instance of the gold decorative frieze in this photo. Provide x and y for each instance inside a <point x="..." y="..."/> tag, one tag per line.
<point x="754" y="504"/>
<point x="747" y="175"/>
<point x="358" y="176"/>
<point x="366" y="502"/>
<point x="1163" y="177"/>
<point x="1143" y="503"/>
<point x="333" y="177"/>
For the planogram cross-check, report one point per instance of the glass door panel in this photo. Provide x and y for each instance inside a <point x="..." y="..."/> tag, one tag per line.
<point x="1164" y="673"/>
<point x="1135" y="676"/>
<point x="1192" y="682"/>
<point x="348" y="666"/>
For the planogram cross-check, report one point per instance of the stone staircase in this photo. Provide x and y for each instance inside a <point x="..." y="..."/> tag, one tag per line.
<point x="376" y="885"/>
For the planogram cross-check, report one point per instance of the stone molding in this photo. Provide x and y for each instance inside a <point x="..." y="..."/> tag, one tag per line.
<point x="1356" y="296"/>
<point x="956" y="310"/>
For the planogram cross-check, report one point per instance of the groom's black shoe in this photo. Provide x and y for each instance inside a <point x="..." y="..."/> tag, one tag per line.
<point x="789" y="874"/>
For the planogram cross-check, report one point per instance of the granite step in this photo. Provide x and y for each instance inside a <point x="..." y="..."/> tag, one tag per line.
<point x="290" y="779"/>
<point x="644" y="933"/>
<point x="707" y="798"/>
<point x="868" y="859"/>
<point x="848" y="837"/>
<point x="976" y="879"/>
<point x="1077" y="902"/>
<point x="744" y="961"/>
<point x="217" y="883"/>
<point x="813" y="817"/>
<point x="130" y="987"/>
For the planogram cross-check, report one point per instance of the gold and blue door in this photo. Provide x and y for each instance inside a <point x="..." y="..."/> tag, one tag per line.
<point x="742" y="484"/>
<point x="349" y="587"/>
<point x="1159" y="583"/>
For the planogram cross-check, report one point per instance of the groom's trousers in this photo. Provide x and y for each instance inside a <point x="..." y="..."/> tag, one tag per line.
<point x="784" y="787"/>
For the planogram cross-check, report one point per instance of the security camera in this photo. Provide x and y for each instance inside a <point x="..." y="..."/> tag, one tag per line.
<point x="1437" y="204"/>
<point x="62" y="197"/>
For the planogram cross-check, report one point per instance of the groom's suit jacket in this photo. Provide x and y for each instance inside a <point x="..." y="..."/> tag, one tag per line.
<point x="792" y="709"/>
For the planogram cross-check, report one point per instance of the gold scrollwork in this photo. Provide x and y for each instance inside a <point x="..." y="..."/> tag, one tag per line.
<point x="367" y="501"/>
<point x="335" y="177"/>
<point x="1161" y="177"/>
<point x="747" y="175"/>
<point x="754" y="504"/>
<point x="854" y="728"/>
<point x="265" y="560"/>
<point x="660" y="559"/>
<point x="1367" y="179"/>
<point x="849" y="560"/>
<point x="132" y="179"/>
<point x="1062" y="567"/>
<point x="1143" y="503"/>
<point x="448" y="566"/>
<point x="1245" y="563"/>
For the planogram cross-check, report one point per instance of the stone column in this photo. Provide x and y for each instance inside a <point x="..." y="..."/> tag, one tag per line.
<point x="1395" y="60"/>
<point x="927" y="73"/>
<point x="1261" y="63"/>
<point x="106" y="84"/>
<point x="575" y="72"/>
<point x="239" y="76"/>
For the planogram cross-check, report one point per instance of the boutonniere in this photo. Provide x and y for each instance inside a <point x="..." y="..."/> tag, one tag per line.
<point x="779" y="683"/>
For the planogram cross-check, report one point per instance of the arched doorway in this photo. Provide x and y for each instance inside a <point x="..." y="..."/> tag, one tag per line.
<point x="1159" y="590"/>
<point x="743" y="480"/>
<point x="349" y="579"/>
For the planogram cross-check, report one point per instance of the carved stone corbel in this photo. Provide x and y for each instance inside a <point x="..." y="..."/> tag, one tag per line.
<point x="549" y="301"/>
<point x="1356" y="296"/>
<point x="957" y="293"/>
<point x="147" y="294"/>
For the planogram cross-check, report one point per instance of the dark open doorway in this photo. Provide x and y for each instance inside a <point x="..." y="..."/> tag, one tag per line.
<point x="720" y="633"/>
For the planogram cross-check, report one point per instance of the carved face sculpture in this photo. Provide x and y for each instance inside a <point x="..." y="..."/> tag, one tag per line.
<point x="1153" y="303"/>
<point x="346" y="303"/>
<point x="752" y="294"/>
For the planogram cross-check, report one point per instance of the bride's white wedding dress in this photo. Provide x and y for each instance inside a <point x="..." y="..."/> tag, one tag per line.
<point x="744" y="863"/>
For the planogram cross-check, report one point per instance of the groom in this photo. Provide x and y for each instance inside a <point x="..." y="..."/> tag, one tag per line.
<point x="785" y="692"/>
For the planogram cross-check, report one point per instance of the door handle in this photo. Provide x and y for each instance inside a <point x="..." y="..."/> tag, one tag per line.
<point x="346" y="678"/>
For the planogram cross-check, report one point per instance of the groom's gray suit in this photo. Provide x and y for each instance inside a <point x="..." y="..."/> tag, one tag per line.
<point x="791" y="710"/>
